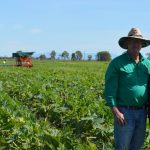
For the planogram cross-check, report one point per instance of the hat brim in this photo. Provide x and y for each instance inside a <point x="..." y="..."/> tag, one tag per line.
<point x="123" y="41"/>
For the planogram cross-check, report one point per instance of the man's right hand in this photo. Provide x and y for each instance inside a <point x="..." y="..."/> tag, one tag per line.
<point x="119" y="116"/>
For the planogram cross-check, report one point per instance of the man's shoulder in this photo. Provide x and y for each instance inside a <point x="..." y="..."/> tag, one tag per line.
<point x="117" y="62"/>
<point x="146" y="61"/>
<point x="119" y="58"/>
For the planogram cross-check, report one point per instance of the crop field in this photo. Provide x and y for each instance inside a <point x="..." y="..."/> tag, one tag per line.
<point x="55" y="105"/>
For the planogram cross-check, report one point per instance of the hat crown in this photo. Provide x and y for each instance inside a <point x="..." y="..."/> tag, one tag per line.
<point x="135" y="32"/>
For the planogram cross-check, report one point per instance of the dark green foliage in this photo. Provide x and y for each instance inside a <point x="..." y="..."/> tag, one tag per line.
<point x="65" y="55"/>
<point x="78" y="55"/>
<point x="73" y="56"/>
<point x="42" y="57"/>
<point x="55" y="106"/>
<point x="53" y="55"/>
<point x="89" y="57"/>
<point x="103" y="56"/>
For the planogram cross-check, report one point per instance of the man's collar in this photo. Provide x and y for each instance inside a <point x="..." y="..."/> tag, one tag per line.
<point x="130" y="58"/>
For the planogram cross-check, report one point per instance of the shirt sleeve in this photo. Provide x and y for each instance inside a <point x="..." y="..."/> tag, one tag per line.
<point x="111" y="84"/>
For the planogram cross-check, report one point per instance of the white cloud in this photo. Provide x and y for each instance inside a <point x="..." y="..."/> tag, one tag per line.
<point x="35" y="30"/>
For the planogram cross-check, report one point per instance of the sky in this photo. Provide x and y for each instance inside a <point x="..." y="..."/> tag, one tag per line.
<point x="86" y="25"/>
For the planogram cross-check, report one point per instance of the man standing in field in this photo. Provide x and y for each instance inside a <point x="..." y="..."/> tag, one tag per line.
<point x="125" y="91"/>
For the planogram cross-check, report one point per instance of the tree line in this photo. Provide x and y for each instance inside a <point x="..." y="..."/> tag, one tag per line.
<point x="77" y="56"/>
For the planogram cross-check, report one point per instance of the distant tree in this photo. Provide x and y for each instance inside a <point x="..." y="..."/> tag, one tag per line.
<point x="73" y="56"/>
<point x="52" y="55"/>
<point x="103" y="56"/>
<point x="78" y="55"/>
<point x="42" y="57"/>
<point x="89" y="57"/>
<point x="65" y="55"/>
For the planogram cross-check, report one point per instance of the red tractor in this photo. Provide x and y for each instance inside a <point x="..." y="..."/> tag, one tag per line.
<point x="23" y="58"/>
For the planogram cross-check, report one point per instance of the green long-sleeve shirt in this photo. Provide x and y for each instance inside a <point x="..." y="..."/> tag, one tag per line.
<point x="126" y="81"/>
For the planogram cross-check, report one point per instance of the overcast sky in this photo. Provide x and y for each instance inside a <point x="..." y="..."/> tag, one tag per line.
<point x="86" y="25"/>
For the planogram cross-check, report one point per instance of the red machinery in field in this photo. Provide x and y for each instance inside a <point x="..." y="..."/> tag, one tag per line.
<point x="23" y="58"/>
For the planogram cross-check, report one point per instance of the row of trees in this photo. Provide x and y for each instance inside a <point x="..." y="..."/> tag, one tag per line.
<point x="100" y="56"/>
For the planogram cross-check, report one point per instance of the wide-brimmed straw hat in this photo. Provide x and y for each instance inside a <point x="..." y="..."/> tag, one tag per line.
<point x="134" y="33"/>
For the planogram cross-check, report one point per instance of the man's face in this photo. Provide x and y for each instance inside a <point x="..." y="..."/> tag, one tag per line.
<point x="134" y="45"/>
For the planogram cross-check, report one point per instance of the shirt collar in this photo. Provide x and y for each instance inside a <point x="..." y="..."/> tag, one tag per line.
<point x="141" y="56"/>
